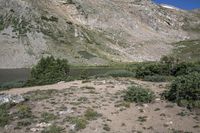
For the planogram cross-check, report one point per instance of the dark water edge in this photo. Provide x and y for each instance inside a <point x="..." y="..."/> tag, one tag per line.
<point x="8" y="75"/>
<point x="23" y="74"/>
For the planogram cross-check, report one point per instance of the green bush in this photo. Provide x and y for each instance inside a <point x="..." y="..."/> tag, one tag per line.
<point x="139" y="95"/>
<point x="166" y="68"/>
<point x="90" y="114"/>
<point x="84" y="74"/>
<point x="185" y="68"/>
<point x="49" y="70"/>
<point x="185" y="90"/>
<point x="152" y="68"/>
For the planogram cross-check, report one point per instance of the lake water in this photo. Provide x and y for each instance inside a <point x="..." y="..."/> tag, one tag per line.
<point x="8" y="75"/>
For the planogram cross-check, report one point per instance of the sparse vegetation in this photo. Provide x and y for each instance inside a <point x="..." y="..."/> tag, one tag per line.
<point x="80" y="123"/>
<point x="40" y="95"/>
<point x="106" y="127"/>
<point x="4" y="115"/>
<point x="188" y="50"/>
<point x="52" y="18"/>
<point x="53" y="129"/>
<point x="24" y="123"/>
<point x="90" y="114"/>
<point x="46" y="117"/>
<point x="24" y="111"/>
<point x="86" y="55"/>
<point x="139" y="95"/>
<point x="142" y="118"/>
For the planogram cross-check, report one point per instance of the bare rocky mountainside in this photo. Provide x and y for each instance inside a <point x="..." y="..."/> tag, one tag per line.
<point x="91" y="32"/>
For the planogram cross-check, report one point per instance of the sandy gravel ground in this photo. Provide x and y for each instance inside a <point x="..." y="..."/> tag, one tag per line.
<point x="104" y="96"/>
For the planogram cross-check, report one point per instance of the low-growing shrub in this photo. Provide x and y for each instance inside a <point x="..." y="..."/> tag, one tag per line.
<point x="53" y="129"/>
<point x="185" y="90"/>
<point x="40" y="95"/>
<point x="139" y="95"/>
<point x="46" y="117"/>
<point x="24" y="111"/>
<point x="49" y="70"/>
<point x="90" y="114"/>
<point x="24" y="123"/>
<point x="84" y="74"/>
<point x="80" y="123"/>
<point x="4" y="115"/>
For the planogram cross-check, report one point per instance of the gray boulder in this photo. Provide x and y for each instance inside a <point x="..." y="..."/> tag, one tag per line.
<point x="8" y="98"/>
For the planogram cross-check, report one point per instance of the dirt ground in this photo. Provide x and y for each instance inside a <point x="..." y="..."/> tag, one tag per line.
<point x="66" y="105"/>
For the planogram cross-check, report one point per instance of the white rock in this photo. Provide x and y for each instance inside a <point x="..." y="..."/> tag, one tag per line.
<point x="34" y="129"/>
<point x="157" y="99"/>
<point x="72" y="127"/>
<point x="7" y="98"/>
<point x="43" y="125"/>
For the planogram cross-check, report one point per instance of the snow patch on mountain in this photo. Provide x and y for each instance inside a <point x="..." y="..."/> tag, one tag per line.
<point x="170" y="7"/>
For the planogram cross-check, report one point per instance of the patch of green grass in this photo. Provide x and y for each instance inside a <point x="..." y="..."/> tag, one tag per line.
<point x="24" y="111"/>
<point x="188" y="50"/>
<point x="86" y="55"/>
<point x="46" y="117"/>
<point x="90" y="114"/>
<point x="139" y="95"/>
<point x="53" y="129"/>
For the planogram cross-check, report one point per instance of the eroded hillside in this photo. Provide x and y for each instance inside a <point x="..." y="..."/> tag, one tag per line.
<point x="89" y="32"/>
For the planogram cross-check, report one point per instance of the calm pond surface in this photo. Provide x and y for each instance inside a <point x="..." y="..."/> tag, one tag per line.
<point x="8" y="75"/>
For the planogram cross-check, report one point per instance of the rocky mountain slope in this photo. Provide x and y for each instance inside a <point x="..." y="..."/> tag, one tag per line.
<point x="90" y="32"/>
